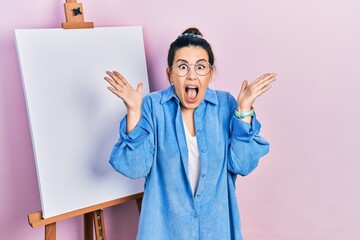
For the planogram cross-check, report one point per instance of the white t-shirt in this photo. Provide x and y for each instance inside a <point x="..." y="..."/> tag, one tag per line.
<point x="194" y="159"/>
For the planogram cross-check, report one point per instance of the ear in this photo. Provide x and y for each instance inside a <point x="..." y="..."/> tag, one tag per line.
<point x="212" y="72"/>
<point x="168" y="74"/>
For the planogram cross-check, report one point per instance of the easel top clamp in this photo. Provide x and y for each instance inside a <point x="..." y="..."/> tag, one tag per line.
<point x="74" y="15"/>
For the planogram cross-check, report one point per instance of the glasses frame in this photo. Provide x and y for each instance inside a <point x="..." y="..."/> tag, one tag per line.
<point x="211" y="67"/>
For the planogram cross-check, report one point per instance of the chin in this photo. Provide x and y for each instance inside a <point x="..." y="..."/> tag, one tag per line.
<point x="191" y="105"/>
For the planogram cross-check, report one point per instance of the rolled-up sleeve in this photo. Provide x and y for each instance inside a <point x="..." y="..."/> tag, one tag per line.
<point x="133" y="154"/>
<point x="246" y="146"/>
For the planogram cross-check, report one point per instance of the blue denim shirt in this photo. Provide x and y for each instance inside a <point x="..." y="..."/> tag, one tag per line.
<point x="156" y="149"/>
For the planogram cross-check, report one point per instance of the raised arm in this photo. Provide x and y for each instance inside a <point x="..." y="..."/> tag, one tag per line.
<point x="132" y="98"/>
<point x="246" y="145"/>
<point x="133" y="154"/>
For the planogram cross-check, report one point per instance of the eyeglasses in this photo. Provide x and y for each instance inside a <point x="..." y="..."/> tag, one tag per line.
<point x="181" y="69"/>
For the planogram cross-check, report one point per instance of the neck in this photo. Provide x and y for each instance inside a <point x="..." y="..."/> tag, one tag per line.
<point x="185" y="110"/>
<point x="188" y="118"/>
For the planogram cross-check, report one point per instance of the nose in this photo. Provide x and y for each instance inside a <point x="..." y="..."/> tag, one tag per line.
<point x="192" y="74"/>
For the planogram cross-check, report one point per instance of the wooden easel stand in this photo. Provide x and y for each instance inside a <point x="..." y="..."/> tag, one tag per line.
<point x="93" y="218"/>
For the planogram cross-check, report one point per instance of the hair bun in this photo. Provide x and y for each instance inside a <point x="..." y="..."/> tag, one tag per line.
<point x="193" y="30"/>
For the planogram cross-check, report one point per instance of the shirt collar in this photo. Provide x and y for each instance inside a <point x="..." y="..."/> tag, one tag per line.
<point x="169" y="93"/>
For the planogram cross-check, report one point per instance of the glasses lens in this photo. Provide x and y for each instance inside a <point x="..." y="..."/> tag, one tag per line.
<point x="202" y="68"/>
<point x="181" y="69"/>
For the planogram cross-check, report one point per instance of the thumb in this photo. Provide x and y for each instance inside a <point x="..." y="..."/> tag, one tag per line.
<point x="244" y="85"/>
<point x="139" y="88"/>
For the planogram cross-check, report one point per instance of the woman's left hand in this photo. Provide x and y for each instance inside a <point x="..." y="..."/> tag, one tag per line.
<point x="249" y="92"/>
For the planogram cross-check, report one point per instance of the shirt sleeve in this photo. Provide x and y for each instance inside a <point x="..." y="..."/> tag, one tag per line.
<point x="246" y="146"/>
<point x="133" y="154"/>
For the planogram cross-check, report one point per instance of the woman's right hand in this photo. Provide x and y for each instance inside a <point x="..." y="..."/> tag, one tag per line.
<point x="121" y="87"/>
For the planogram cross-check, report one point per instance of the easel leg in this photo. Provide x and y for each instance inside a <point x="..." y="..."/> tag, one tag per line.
<point x="88" y="226"/>
<point x="99" y="225"/>
<point x="50" y="231"/>
<point x="138" y="204"/>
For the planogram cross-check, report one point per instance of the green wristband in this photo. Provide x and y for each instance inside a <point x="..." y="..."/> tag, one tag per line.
<point x="240" y="115"/>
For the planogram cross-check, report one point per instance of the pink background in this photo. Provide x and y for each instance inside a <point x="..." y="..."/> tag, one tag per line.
<point x="306" y="188"/>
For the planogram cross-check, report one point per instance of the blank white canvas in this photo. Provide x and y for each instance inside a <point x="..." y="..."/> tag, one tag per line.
<point x="74" y="119"/>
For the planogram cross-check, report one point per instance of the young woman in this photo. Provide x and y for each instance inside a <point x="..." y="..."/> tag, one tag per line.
<point x="189" y="142"/>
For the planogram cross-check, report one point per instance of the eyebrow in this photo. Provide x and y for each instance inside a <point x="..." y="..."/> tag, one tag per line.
<point x="183" y="60"/>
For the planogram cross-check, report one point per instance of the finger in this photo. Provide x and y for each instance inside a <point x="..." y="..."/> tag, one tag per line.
<point x="263" y="77"/>
<point x="244" y="85"/>
<point x="115" y="78"/>
<point x="118" y="93"/>
<point x="262" y="86"/>
<point x="264" y="81"/>
<point x="263" y="90"/>
<point x="266" y="76"/>
<point x="259" y="78"/>
<point x="139" y="88"/>
<point x="112" y="83"/>
<point x="113" y="90"/>
<point x="260" y="91"/>
<point x="121" y="77"/>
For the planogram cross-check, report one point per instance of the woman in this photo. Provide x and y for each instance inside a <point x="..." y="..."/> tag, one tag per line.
<point x="189" y="142"/>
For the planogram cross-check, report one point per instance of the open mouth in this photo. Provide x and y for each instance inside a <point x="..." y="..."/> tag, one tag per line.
<point x="191" y="93"/>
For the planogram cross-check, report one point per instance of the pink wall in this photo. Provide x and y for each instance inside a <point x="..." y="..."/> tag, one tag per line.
<point x="306" y="188"/>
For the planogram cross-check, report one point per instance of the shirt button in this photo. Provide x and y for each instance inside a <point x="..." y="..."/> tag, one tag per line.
<point x="198" y="195"/>
<point x="203" y="175"/>
<point x="203" y="150"/>
<point x="195" y="215"/>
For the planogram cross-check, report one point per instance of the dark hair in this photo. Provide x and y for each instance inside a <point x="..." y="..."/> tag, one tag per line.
<point x="190" y="37"/>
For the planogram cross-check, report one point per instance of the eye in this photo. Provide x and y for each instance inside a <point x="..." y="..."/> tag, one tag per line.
<point x="200" y="67"/>
<point x="183" y="67"/>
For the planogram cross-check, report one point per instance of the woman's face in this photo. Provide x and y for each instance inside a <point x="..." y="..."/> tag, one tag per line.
<point x="190" y="85"/>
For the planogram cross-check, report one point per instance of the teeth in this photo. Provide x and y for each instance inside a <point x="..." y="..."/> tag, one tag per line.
<point x="191" y="87"/>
